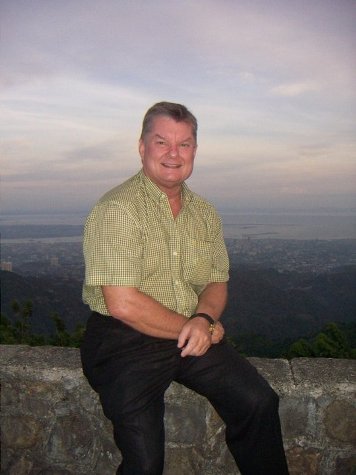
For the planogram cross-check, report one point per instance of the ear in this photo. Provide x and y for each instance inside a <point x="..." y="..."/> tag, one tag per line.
<point x="195" y="150"/>
<point x="141" y="148"/>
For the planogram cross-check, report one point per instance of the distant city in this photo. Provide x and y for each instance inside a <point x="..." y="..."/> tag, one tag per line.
<point x="279" y="289"/>
<point x="66" y="259"/>
<point x="51" y="244"/>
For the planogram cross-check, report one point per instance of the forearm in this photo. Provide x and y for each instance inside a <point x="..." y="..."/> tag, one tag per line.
<point x="213" y="299"/>
<point x="142" y="312"/>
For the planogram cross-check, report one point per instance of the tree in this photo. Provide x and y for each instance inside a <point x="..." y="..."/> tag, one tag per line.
<point x="301" y="348"/>
<point x="62" y="337"/>
<point x="8" y="334"/>
<point x="20" y="332"/>
<point x="26" y="314"/>
<point x="332" y="342"/>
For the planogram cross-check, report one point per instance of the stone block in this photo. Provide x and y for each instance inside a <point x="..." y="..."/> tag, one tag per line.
<point x="304" y="461"/>
<point x="294" y="414"/>
<point x="324" y="375"/>
<point x="28" y="431"/>
<point x="277" y="372"/>
<point x="68" y="441"/>
<point x="184" y="425"/>
<point x="52" y="422"/>
<point x="340" y="421"/>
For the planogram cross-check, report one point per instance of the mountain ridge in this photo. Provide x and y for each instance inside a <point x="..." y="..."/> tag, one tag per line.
<point x="266" y="302"/>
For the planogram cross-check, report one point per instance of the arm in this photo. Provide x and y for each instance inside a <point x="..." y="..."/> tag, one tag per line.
<point x="148" y="316"/>
<point x="211" y="301"/>
<point x="142" y="312"/>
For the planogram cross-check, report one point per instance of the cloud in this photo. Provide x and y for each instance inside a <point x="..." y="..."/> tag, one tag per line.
<point x="272" y="85"/>
<point x="295" y="89"/>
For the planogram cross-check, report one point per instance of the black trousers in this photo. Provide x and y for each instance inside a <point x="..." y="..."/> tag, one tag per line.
<point x="131" y="372"/>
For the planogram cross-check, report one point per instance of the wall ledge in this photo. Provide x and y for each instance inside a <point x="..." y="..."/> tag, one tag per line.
<point x="46" y="402"/>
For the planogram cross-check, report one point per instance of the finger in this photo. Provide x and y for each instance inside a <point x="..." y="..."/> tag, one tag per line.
<point x="194" y="352"/>
<point x="196" y="346"/>
<point x="216" y="338"/>
<point x="187" y="351"/>
<point x="183" y="337"/>
<point x="192" y="348"/>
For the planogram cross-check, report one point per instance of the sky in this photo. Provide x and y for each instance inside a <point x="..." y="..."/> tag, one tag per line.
<point x="272" y="83"/>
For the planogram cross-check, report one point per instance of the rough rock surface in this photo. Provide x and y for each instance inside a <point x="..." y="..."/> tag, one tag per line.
<point x="52" y="422"/>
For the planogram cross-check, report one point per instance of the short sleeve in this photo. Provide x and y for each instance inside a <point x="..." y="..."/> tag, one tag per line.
<point x="220" y="264"/>
<point x="112" y="247"/>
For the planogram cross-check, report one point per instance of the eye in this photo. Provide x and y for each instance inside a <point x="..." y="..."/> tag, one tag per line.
<point x="185" y="145"/>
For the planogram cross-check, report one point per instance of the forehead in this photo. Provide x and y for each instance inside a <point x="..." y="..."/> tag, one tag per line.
<point x="167" y="126"/>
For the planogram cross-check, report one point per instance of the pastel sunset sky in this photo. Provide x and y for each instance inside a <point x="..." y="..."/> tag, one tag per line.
<point x="272" y="83"/>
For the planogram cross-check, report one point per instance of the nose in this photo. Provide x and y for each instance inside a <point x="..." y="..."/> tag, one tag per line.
<point x="173" y="151"/>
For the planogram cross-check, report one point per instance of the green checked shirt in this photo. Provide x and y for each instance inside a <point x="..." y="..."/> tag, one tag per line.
<point x="131" y="239"/>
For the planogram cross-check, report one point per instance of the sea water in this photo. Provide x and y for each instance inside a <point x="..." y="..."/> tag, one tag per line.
<point x="238" y="225"/>
<point x="289" y="226"/>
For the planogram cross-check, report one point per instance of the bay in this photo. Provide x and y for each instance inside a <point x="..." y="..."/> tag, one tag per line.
<point x="239" y="225"/>
<point x="289" y="226"/>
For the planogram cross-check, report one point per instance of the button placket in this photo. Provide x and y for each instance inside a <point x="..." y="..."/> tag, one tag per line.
<point x="176" y="265"/>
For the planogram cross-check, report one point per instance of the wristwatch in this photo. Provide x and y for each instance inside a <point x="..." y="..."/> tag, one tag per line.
<point x="207" y="317"/>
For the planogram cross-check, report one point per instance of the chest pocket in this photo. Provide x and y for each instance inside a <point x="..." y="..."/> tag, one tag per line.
<point x="197" y="262"/>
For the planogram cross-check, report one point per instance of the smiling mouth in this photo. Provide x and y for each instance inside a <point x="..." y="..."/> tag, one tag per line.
<point x="171" y="165"/>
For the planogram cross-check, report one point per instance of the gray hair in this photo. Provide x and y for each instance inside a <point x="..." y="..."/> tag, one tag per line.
<point x="178" y="112"/>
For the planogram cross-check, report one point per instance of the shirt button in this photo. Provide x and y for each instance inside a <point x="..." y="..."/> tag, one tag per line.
<point x="175" y="253"/>
<point x="176" y="282"/>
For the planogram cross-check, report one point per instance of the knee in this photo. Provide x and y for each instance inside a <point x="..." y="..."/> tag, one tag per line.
<point x="267" y="401"/>
<point x="259" y="397"/>
<point x="271" y="399"/>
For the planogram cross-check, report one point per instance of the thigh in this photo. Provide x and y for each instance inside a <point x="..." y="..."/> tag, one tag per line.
<point x="115" y="354"/>
<point x="128" y="369"/>
<point x="228" y="380"/>
<point x="131" y="372"/>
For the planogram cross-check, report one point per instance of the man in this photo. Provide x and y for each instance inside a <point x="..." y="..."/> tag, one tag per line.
<point x="156" y="282"/>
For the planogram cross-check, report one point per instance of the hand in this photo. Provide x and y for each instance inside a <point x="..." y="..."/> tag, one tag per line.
<point x="195" y="338"/>
<point x="218" y="333"/>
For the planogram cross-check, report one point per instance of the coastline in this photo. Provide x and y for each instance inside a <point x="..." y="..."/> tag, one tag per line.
<point x="63" y="227"/>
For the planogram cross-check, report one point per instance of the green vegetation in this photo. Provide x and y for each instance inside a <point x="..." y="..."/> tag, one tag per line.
<point x="20" y="332"/>
<point x="334" y="341"/>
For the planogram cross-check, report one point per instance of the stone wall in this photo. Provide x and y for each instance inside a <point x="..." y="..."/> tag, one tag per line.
<point x="52" y="422"/>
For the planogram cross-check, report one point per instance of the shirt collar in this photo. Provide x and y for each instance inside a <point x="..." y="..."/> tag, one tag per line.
<point x="155" y="193"/>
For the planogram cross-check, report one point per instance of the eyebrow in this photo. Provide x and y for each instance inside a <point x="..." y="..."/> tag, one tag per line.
<point x="157" y="136"/>
<point x="189" y="139"/>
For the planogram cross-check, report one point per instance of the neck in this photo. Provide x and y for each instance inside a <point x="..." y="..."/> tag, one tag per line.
<point x="175" y="202"/>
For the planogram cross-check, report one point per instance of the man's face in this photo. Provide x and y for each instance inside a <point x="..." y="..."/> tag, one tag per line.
<point x="167" y="153"/>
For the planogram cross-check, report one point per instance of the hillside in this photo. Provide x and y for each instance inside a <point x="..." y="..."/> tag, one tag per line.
<point x="288" y="305"/>
<point x="49" y="295"/>
<point x="262" y="302"/>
